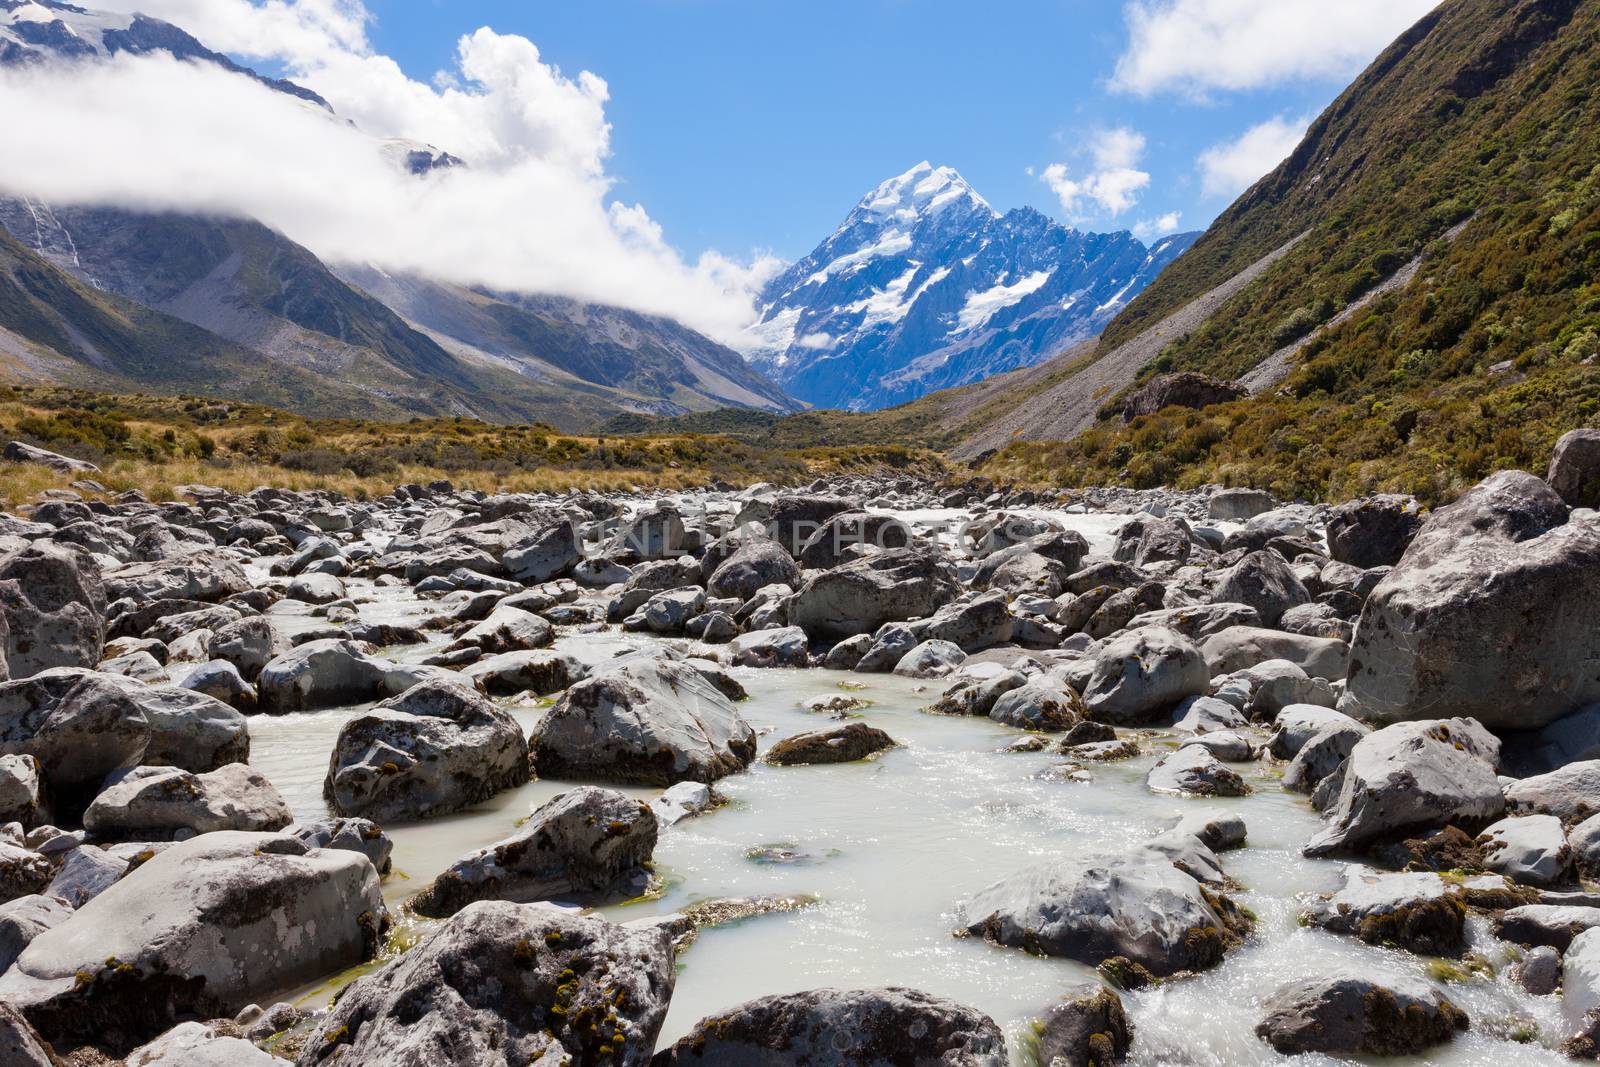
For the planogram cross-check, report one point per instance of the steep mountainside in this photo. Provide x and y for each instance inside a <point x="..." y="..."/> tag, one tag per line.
<point x="925" y="286"/>
<point x="1435" y="311"/>
<point x="658" y="364"/>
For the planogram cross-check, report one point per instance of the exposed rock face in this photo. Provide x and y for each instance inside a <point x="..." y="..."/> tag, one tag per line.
<point x="648" y="721"/>
<point x="1373" y="532"/>
<point x="504" y="983"/>
<point x="1352" y="1014"/>
<point x="1138" y="905"/>
<point x="888" y="1027"/>
<point x="1489" y="615"/>
<point x="581" y="845"/>
<point x="54" y="606"/>
<point x="860" y="596"/>
<point x="21" y="797"/>
<point x="201" y="930"/>
<point x="1185" y="389"/>
<point x="154" y="803"/>
<point x="434" y="749"/>
<point x="1575" y="468"/>
<point x="1142" y="673"/>
<point x="1413" y="776"/>
<point x="844" y="744"/>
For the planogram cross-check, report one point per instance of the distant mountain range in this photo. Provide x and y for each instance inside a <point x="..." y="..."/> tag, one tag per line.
<point x="117" y="299"/>
<point x="925" y="286"/>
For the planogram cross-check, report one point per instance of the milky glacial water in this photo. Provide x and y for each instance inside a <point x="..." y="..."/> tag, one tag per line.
<point x="891" y="847"/>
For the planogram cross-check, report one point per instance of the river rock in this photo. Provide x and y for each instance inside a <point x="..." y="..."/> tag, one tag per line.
<point x="887" y="1027"/>
<point x="22" y="920"/>
<point x="582" y="845"/>
<point x="1090" y="1030"/>
<point x="1322" y="753"/>
<point x="80" y="725"/>
<point x="435" y="749"/>
<point x="756" y="564"/>
<point x="1295" y="726"/>
<point x="207" y="576"/>
<point x="1241" y="647"/>
<point x="1359" y="1015"/>
<point x="333" y="671"/>
<point x="647" y="721"/>
<point x="197" y="1045"/>
<point x="973" y="626"/>
<point x="1416" y="911"/>
<point x="1264" y="581"/>
<point x="23" y="872"/>
<point x="1555" y="925"/>
<point x="549" y="553"/>
<point x="859" y="596"/>
<point x="783" y="647"/>
<point x="1239" y="505"/>
<point x="885" y="649"/>
<point x="249" y="644"/>
<point x="843" y="744"/>
<point x="54" y="604"/>
<point x="154" y="803"/>
<point x="1490" y="614"/>
<point x="1140" y="674"/>
<point x="21" y="798"/>
<point x="1571" y="793"/>
<point x="1575" y="468"/>
<point x="1374" y="531"/>
<point x="352" y="835"/>
<point x="200" y="930"/>
<point x="1528" y="849"/>
<point x="507" y="984"/>
<point x="507" y="629"/>
<point x="190" y="730"/>
<point x="1137" y="905"/>
<point x="20" y="1044"/>
<point x="1413" y="776"/>
<point x="1039" y="707"/>
<point x="1194" y="771"/>
<point x="540" y="672"/>
<point x="930" y="659"/>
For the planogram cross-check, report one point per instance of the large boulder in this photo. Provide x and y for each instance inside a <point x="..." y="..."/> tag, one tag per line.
<point x="53" y="603"/>
<point x="889" y="1027"/>
<point x="507" y="629"/>
<point x="860" y="596"/>
<point x="1490" y="614"/>
<point x="1570" y="793"/>
<point x="1580" y="994"/>
<point x="334" y="671"/>
<point x="1575" y="468"/>
<point x="1141" y="674"/>
<point x="1089" y="1030"/>
<point x="21" y="793"/>
<point x="1264" y="581"/>
<point x="207" y="576"/>
<point x="1194" y="771"/>
<point x="758" y="563"/>
<point x="189" y="729"/>
<point x="794" y="518"/>
<point x="827" y="547"/>
<point x="1413" y="776"/>
<point x="647" y="721"/>
<point x="1374" y="531"/>
<point x="1138" y="905"/>
<point x="199" y="931"/>
<point x="585" y="845"/>
<point x="80" y="725"/>
<point x="1184" y="389"/>
<point x="434" y="749"/>
<point x="155" y="803"/>
<point x="973" y="626"/>
<point x="502" y="984"/>
<point x="547" y="554"/>
<point x="1239" y="648"/>
<point x="1414" y="910"/>
<point x="1388" y="1015"/>
<point x="25" y="918"/>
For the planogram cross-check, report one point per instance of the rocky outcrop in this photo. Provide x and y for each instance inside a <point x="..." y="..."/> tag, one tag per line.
<point x="1185" y="389"/>
<point x="581" y="846"/>
<point x="435" y="749"/>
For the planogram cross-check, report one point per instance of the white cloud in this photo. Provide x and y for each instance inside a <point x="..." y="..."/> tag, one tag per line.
<point x="1115" y="183"/>
<point x="532" y="212"/>
<point x="1230" y="168"/>
<point x="1148" y="230"/>
<point x="1195" y="46"/>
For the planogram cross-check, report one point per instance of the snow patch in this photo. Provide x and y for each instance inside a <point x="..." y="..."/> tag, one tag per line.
<point x="982" y="306"/>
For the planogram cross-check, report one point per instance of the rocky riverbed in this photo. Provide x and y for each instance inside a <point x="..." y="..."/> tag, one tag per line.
<point x="869" y="771"/>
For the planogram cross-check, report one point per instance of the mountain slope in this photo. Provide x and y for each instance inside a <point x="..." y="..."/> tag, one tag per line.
<point x="925" y="286"/>
<point x="651" y="364"/>
<point x="1441" y="316"/>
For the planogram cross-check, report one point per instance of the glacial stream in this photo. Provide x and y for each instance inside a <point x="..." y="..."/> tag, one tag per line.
<point x="890" y="848"/>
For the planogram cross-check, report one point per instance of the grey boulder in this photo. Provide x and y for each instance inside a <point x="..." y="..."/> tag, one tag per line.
<point x="1140" y="674"/>
<point x="153" y="803"/>
<point x="1359" y="1015"/>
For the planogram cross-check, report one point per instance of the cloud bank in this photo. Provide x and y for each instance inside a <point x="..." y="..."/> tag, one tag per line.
<point x="1197" y="46"/>
<point x="532" y="212"/>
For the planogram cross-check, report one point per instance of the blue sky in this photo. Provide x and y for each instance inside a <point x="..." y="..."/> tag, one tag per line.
<point x="754" y="125"/>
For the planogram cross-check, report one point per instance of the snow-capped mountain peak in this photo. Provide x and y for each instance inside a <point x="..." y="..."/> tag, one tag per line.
<point x="921" y="191"/>
<point x="925" y="286"/>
